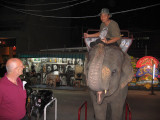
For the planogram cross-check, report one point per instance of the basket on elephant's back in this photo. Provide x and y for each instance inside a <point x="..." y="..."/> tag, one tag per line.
<point x="124" y="43"/>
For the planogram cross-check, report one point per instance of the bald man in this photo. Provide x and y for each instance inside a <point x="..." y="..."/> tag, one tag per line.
<point x="12" y="93"/>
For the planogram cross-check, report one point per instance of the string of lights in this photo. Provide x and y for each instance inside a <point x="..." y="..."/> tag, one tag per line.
<point x="82" y="17"/>
<point x="43" y="4"/>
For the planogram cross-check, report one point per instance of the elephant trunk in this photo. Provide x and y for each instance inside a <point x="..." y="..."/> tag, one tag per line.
<point x="94" y="73"/>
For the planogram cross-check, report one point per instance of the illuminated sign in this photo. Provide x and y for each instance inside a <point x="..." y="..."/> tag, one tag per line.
<point x="147" y="61"/>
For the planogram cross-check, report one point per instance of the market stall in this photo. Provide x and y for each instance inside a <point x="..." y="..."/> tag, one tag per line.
<point x="56" y="69"/>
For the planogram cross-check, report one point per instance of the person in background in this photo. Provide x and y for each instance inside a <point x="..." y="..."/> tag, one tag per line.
<point x="113" y="33"/>
<point x="12" y="92"/>
<point x="2" y="70"/>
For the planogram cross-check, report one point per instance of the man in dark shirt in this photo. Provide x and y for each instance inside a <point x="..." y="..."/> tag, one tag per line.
<point x="113" y="33"/>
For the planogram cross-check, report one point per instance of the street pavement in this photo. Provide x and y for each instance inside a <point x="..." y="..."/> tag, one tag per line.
<point x="143" y="105"/>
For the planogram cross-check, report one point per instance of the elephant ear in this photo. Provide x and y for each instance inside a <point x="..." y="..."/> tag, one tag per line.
<point x="127" y="71"/>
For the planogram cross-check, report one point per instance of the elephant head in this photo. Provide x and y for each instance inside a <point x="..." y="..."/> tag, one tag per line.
<point x="109" y="69"/>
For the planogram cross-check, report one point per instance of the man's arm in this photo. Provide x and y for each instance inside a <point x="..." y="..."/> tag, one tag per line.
<point x="86" y="35"/>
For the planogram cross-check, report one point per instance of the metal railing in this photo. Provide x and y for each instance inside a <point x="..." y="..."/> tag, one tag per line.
<point x="79" y="110"/>
<point x="128" y="110"/>
<point x="45" y="108"/>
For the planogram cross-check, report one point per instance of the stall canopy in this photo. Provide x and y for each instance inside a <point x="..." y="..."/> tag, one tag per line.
<point x="80" y="55"/>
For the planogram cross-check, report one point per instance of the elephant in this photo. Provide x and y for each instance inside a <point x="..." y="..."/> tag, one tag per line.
<point x="108" y="72"/>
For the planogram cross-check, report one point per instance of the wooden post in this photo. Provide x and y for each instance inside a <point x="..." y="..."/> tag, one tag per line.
<point x="10" y="52"/>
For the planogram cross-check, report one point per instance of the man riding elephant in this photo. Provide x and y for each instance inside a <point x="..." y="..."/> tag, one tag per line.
<point x="113" y="31"/>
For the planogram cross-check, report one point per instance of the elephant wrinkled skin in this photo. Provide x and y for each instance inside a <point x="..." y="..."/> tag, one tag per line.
<point x="108" y="72"/>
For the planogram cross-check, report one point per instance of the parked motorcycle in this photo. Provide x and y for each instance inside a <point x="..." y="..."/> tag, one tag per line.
<point x="37" y="101"/>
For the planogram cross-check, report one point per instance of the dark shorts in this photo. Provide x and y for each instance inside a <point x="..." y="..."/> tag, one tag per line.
<point x="92" y="44"/>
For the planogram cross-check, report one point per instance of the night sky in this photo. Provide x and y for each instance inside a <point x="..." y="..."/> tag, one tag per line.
<point x="43" y="30"/>
<point x="145" y="18"/>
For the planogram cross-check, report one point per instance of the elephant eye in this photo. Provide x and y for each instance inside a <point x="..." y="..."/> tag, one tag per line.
<point x="114" y="71"/>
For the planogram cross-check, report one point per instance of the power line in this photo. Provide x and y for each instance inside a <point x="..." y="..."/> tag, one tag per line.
<point x="20" y="4"/>
<point x="82" y="17"/>
<point x="56" y="8"/>
<point x="47" y="16"/>
<point x="137" y="9"/>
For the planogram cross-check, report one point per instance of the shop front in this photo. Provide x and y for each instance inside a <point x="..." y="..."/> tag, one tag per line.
<point x="54" y="68"/>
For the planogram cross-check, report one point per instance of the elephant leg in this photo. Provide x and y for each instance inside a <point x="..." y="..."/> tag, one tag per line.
<point x="117" y="105"/>
<point x="117" y="110"/>
<point x="99" y="109"/>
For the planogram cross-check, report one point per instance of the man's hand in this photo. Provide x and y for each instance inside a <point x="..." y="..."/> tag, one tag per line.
<point x="104" y="40"/>
<point x="86" y="35"/>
